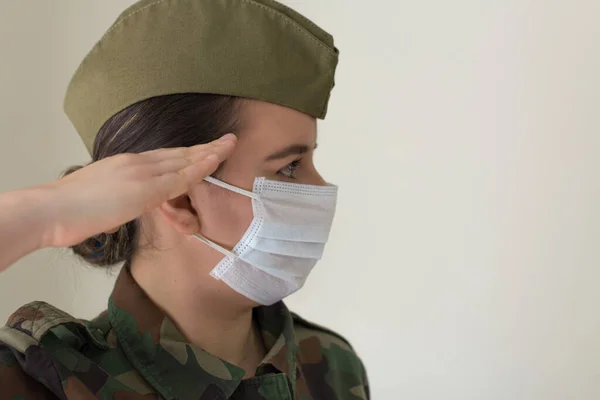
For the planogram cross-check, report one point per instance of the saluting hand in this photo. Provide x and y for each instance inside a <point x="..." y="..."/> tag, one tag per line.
<point x="115" y="190"/>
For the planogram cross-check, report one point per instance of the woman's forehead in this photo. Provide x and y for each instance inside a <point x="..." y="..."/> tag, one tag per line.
<point x="269" y="126"/>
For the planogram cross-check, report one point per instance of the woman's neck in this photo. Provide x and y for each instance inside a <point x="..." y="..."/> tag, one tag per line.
<point x="206" y="319"/>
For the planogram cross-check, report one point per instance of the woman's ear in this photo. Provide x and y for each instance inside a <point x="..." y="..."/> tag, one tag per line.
<point x="180" y="213"/>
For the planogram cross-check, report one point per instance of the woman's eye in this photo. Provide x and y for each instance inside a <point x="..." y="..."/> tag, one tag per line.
<point x="289" y="170"/>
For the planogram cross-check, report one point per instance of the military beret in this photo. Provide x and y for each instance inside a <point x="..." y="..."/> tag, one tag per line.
<point x="257" y="49"/>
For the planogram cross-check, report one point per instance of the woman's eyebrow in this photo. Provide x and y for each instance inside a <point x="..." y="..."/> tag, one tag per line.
<point x="288" y="151"/>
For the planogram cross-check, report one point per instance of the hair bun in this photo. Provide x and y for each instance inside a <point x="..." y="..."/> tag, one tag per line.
<point x="106" y="249"/>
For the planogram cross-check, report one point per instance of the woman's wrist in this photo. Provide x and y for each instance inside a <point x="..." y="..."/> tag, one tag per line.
<point x="26" y="223"/>
<point x="33" y="218"/>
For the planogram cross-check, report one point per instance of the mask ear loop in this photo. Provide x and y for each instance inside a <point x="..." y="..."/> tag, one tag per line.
<point x="232" y="188"/>
<point x="215" y="246"/>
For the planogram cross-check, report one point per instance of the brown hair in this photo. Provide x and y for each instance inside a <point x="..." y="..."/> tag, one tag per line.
<point x="178" y="120"/>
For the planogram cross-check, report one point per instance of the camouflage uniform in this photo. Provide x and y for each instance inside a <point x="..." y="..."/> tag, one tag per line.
<point x="133" y="351"/>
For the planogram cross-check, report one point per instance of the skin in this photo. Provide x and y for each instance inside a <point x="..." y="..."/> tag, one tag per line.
<point x="173" y="202"/>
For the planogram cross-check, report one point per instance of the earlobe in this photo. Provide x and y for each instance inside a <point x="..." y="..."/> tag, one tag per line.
<point x="180" y="213"/>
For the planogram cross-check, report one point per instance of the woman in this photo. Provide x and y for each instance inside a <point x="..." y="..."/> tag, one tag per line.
<point x="200" y="116"/>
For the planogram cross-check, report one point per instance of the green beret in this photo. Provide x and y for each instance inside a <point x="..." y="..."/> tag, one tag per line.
<point x="258" y="49"/>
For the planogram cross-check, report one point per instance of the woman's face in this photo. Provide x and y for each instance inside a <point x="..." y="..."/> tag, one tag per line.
<point x="274" y="142"/>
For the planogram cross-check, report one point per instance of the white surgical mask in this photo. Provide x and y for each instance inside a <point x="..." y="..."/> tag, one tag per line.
<point x="283" y="243"/>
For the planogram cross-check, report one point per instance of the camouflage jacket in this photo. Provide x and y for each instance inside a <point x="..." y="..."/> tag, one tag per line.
<point x="132" y="351"/>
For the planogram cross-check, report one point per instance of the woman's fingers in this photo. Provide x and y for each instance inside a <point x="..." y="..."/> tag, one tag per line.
<point x="171" y="185"/>
<point x="179" y="174"/>
<point x="189" y="153"/>
<point x="173" y="164"/>
<point x="178" y="159"/>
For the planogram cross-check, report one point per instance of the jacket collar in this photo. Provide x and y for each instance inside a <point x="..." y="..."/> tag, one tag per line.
<point x="179" y="370"/>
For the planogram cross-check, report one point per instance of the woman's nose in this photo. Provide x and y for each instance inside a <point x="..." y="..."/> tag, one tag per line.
<point x="318" y="180"/>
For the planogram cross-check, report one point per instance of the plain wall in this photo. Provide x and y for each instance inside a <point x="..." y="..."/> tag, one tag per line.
<point x="465" y="137"/>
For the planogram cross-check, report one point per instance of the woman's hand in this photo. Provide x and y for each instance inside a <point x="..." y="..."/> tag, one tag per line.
<point x="102" y="196"/>
<point x="108" y="193"/>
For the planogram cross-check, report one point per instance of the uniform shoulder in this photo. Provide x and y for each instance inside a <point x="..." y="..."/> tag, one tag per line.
<point x="45" y="353"/>
<point x="15" y="383"/>
<point x="324" y="352"/>
<point x="305" y="329"/>
<point x="28" y="325"/>
<point x="24" y="361"/>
